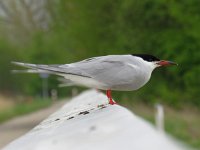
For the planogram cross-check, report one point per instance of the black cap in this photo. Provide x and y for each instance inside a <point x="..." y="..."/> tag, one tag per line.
<point x="147" y="57"/>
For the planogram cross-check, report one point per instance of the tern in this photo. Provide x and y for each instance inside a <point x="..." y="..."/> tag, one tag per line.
<point x="111" y="72"/>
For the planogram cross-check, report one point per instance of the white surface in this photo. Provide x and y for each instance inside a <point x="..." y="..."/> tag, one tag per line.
<point x="109" y="128"/>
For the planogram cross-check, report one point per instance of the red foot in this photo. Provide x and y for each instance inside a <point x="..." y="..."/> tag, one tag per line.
<point x="111" y="101"/>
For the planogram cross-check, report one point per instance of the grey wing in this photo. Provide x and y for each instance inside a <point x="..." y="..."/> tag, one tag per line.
<point x="51" y="69"/>
<point x="110" y="70"/>
<point x="112" y="73"/>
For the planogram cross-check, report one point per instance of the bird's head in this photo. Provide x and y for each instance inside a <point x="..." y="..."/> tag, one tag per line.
<point x="153" y="61"/>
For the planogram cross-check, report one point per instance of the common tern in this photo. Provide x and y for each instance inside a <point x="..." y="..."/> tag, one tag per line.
<point x="111" y="72"/>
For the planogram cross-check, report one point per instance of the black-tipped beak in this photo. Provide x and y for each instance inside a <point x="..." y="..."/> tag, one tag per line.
<point x="166" y="63"/>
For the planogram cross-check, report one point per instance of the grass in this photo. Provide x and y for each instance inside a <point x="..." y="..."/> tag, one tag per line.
<point x="182" y="123"/>
<point x="23" y="108"/>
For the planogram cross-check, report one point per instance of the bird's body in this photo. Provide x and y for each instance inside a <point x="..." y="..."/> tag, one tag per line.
<point x="112" y="72"/>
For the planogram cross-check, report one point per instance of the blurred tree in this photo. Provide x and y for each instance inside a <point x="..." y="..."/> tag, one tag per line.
<point x="24" y="17"/>
<point x="71" y="30"/>
<point x="169" y="30"/>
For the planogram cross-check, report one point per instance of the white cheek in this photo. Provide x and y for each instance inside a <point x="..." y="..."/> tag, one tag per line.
<point x="150" y="65"/>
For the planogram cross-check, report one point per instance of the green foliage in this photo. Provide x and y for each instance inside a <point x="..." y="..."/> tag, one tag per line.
<point x="82" y="29"/>
<point x="7" y="82"/>
<point x="156" y="27"/>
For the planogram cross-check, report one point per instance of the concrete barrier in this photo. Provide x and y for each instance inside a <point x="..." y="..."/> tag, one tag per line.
<point x="87" y="122"/>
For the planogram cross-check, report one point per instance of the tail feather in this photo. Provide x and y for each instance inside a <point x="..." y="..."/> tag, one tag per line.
<point x="42" y="69"/>
<point x="65" y="82"/>
<point x="51" y="69"/>
<point x="30" y="71"/>
<point x="24" y="64"/>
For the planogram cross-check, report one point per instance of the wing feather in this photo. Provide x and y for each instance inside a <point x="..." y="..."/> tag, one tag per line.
<point x="112" y="70"/>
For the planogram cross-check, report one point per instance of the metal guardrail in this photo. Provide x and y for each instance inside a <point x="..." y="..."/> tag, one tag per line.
<point x="87" y="122"/>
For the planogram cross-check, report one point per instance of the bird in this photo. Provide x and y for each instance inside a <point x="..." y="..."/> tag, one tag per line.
<point x="128" y="72"/>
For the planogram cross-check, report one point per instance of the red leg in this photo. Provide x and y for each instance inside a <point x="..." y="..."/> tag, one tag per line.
<point x="111" y="101"/>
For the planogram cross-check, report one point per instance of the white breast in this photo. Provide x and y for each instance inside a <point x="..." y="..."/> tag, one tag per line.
<point x="88" y="82"/>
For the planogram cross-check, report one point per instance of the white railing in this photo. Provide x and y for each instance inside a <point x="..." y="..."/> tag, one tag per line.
<point x="87" y="122"/>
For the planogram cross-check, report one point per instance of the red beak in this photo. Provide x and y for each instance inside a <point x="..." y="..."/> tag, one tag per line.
<point x="166" y="63"/>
